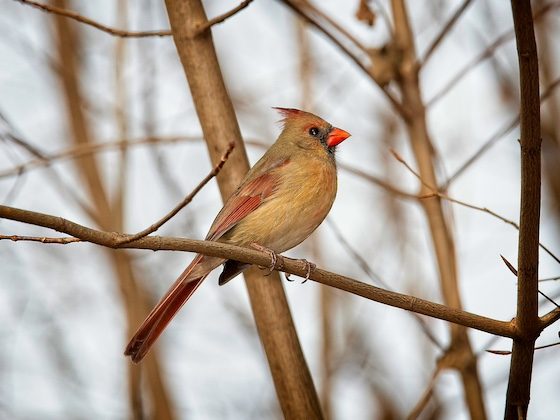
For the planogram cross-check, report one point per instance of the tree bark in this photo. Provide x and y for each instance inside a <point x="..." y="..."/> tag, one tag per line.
<point x="527" y="320"/>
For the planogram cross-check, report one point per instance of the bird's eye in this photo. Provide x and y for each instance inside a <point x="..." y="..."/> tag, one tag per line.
<point x="314" y="131"/>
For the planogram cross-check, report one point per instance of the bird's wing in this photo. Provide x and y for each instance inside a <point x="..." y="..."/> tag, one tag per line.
<point x="248" y="197"/>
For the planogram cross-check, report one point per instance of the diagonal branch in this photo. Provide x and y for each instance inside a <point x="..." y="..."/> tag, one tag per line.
<point x="485" y="54"/>
<point x="444" y="31"/>
<point x="152" y="228"/>
<point x="495" y="137"/>
<point x="219" y="19"/>
<point x="339" y="37"/>
<point x="90" y="22"/>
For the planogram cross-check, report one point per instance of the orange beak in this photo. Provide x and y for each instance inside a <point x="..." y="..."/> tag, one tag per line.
<point x="337" y="136"/>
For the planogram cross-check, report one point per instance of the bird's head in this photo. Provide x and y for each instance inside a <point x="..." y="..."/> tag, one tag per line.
<point x="310" y="132"/>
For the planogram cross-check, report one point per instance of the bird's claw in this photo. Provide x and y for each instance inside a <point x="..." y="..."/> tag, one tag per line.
<point x="310" y="267"/>
<point x="271" y="253"/>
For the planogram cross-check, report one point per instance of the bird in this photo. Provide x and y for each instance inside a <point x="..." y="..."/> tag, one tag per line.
<point x="283" y="198"/>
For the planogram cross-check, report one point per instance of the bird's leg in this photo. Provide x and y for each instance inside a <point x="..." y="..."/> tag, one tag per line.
<point x="270" y="252"/>
<point x="308" y="265"/>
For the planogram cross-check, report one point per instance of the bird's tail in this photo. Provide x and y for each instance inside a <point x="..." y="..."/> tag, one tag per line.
<point x="169" y="305"/>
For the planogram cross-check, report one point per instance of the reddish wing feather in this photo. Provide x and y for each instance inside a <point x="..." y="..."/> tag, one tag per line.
<point x="244" y="201"/>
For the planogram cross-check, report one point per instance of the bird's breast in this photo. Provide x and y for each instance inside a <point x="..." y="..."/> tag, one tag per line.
<point x="304" y="195"/>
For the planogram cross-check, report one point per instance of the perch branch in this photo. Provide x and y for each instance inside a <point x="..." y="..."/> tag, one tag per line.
<point x="251" y="256"/>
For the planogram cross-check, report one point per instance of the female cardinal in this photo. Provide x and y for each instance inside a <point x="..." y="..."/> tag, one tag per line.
<point x="280" y="202"/>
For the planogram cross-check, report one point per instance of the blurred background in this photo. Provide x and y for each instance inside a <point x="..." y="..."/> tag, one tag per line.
<point x="102" y="130"/>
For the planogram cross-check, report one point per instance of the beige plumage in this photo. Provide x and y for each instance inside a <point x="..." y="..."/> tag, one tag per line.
<point x="280" y="202"/>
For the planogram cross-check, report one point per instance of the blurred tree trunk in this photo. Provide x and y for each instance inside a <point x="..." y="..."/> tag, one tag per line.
<point x="460" y="355"/>
<point x="107" y="218"/>
<point x="292" y="379"/>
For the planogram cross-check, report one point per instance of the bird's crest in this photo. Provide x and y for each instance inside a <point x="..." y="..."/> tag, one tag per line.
<point x="288" y="113"/>
<point x="292" y="114"/>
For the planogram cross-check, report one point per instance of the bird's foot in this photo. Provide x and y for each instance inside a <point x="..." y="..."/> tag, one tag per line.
<point x="309" y="267"/>
<point x="271" y="253"/>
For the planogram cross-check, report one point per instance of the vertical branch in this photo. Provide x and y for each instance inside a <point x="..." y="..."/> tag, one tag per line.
<point x="292" y="379"/>
<point x="460" y="353"/>
<point x="134" y="300"/>
<point x="527" y="321"/>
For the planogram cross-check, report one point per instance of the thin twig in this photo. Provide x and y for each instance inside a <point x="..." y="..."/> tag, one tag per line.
<point x="87" y="21"/>
<point x="252" y="256"/>
<point x="426" y="395"/>
<point x="298" y="7"/>
<point x="444" y="31"/>
<point x="516" y="274"/>
<point x="222" y="17"/>
<point x="494" y="138"/>
<point x="412" y="171"/>
<point x="42" y="239"/>
<point x="152" y="228"/>
<point x="86" y="149"/>
<point x="485" y="54"/>
<point x="508" y="352"/>
<point x="339" y="28"/>
<point x="550" y="279"/>
<point x="465" y="204"/>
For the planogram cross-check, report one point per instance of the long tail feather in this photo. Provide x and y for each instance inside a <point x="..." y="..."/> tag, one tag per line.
<point x="169" y="305"/>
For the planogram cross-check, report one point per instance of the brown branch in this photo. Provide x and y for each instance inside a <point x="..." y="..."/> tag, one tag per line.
<point x="527" y="320"/>
<point x="550" y="318"/>
<point x="252" y="256"/>
<point x="507" y="352"/>
<point x="152" y="228"/>
<point x="42" y="239"/>
<point x="219" y="19"/>
<point x="444" y="31"/>
<point x="87" y="21"/>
